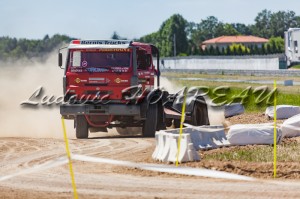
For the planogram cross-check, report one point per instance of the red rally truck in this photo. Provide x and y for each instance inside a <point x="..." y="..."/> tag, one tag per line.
<point x="110" y="83"/>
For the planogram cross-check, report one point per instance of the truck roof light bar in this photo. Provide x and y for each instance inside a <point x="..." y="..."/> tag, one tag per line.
<point x="76" y="44"/>
<point x="102" y="42"/>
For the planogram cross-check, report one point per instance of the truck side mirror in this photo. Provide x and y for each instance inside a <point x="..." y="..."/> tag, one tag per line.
<point x="60" y="59"/>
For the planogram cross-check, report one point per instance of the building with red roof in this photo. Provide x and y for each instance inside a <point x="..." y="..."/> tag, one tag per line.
<point x="224" y="41"/>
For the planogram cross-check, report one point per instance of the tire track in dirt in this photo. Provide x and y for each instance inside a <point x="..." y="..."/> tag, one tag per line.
<point x="100" y="180"/>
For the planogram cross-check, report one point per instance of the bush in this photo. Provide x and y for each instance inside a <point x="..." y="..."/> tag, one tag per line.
<point x="239" y="49"/>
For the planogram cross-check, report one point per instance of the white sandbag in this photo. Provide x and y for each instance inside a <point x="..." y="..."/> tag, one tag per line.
<point x="291" y="127"/>
<point x="283" y="111"/>
<point x="244" y="134"/>
<point x="233" y="109"/>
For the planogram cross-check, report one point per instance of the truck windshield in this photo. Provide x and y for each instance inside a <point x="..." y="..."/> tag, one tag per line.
<point x="94" y="59"/>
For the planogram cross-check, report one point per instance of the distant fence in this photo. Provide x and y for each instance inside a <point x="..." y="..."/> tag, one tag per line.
<point x="255" y="62"/>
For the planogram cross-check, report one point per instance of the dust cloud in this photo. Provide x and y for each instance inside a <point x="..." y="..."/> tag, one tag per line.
<point x="167" y="85"/>
<point x="18" y="81"/>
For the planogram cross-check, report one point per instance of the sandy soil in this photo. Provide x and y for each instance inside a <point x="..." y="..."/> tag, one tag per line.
<point x="95" y="180"/>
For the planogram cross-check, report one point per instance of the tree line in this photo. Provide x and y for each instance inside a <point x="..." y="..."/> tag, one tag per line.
<point x="13" y="49"/>
<point x="188" y="37"/>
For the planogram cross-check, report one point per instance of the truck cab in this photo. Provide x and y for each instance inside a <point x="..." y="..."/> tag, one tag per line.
<point x="110" y="83"/>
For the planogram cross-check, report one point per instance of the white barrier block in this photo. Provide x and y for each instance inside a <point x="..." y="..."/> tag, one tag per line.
<point x="165" y="155"/>
<point x="162" y="141"/>
<point x="167" y="148"/>
<point x="233" y="109"/>
<point x="173" y="148"/>
<point x="282" y="111"/>
<point x="225" y="142"/>
<point x="291" y="127"/>
<point x="193" y="155"/>
<point x="246" y="134"/>
<point x="155" y="153"/>
<point x="205" y="137"/>
<point x="183" y="153"/>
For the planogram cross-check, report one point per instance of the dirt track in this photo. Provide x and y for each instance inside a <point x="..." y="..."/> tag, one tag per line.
<point x="106" y="181"/>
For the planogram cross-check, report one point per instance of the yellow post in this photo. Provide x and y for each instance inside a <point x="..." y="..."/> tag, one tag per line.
<point x="69" y="158"/>
<point x="275" y="131"/>
<point x="181" y="124"/>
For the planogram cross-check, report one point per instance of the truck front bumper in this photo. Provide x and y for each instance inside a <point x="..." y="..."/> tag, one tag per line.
<point x="68" y="110"/>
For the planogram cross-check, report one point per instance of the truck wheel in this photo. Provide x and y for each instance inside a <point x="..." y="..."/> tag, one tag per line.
<point x="82" y="130"/>
<point x="168" y="122"/>
<point x="176" y="123"/>
<point x="161" y="120"/>
<point x="149" y="126"/>
<point x="200" y="115"/>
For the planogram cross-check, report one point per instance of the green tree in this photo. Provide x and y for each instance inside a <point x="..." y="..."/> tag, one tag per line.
<point x="281" y="21"/>
<point x="115" y="35"/>
<point x="262" y="24"/>
<point x="263" y="50"/>
<point x="256" y="50"/>
<point x="217" y="51"/>
<point x="226" y="29"/>
<point x="12" y="48"/>
<point x="208" y="27"/>
<point x="242" y="28"/>
<point x="175" y="26"/>
<point x="268" y="24"/>
<point x="211" y="51"/>
<point x="251" y="50"/>
<point x="201" y="51"/>
<point x="228" y="50"/>
<point x="223" y="51"/>
<point x="239" y="49"/>
<point x="276" y="44"/>
<point x="152" y="38"/>
<point x="268" y="48"/>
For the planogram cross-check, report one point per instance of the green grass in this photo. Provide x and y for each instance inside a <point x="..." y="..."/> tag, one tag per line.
<point x="285" y="95"/>
<point x="258" y="154"/>
<point x="285" y="153"/>
<point x="296" y="67"/>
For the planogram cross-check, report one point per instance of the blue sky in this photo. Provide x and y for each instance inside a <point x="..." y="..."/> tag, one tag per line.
<point x="97" y="19"/>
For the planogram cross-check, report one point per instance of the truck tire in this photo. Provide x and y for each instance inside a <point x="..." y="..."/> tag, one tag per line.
<point x="168" y="122"/>
<point x="149" y="126"/>
<point x="161" y="120"/>
<point x="82" y="130"/>
<point x="200" y="115"/>
<point x="176" y="123"/>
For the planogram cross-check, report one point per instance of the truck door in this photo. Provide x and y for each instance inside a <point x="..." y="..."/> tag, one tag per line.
<point x="145" y="69"/>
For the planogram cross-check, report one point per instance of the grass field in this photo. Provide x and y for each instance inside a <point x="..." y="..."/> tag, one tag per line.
<point x="289" y="95"/>
<point x="252" y="160"/>
<point x="286" y="152"/>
